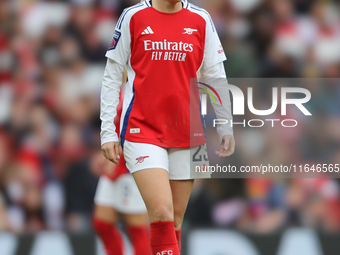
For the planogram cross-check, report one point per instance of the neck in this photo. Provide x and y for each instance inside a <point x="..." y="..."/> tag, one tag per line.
<point x="167" y="6"/>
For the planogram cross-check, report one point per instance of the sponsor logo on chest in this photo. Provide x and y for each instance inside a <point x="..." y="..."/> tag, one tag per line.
<point x="168" y="50"/>
<point x="164" y="50"/>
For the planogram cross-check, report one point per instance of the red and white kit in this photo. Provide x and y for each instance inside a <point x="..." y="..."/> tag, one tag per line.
<point x="162" y="52"/>
<point x="118" y="189"/>
<point x="120" y="193"/>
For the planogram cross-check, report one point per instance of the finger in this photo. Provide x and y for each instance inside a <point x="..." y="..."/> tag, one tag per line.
<point x="231" y="149"/>
<point x="105" y="154"/>
<point x="112" y="156"/>
<point x="109" y="154"/>
<point x="228" y="153"/>
<point x="116" y="148"/>
<point x="224" y="153"/>
<point x="115" y="160"/>
<point x="221" y="152"/>
<point x="117" y="152"/>
<point x="225" y="143"/>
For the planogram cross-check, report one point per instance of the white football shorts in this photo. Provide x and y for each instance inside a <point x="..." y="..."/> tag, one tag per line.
<point x="181" y="163"/>
<point x="121" y="194"/>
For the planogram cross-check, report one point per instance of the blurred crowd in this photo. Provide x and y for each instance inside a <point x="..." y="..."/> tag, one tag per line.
<point x="52" y="58"/>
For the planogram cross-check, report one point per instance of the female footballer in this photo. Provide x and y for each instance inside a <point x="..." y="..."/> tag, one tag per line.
<point x="117" y="195"/>
<point x="164" y="43"/>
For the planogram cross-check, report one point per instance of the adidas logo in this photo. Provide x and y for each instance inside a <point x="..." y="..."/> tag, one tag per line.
<point x="147" y="31"/>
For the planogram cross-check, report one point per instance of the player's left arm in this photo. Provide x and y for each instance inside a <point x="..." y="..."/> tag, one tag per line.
<point x="213" y="70"/>
<point x="217" y="75"/>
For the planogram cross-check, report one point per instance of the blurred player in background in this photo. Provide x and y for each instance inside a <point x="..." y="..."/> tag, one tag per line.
<point x="164" y="43"/>
<point x="117" y="194"/>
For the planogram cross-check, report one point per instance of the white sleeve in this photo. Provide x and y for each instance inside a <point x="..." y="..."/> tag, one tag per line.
<point x="109" y="100"/>
<point x="120" y="47"/>
<point x="213" y="50"/>
<point x="216" y="74"/>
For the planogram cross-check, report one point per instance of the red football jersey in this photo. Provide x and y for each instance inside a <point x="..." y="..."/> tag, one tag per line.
<point x="162" y="52"/>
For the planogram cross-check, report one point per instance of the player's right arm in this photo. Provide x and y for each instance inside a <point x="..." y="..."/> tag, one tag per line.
<point x="112" y="81"/>
<point x="118" y="55"/>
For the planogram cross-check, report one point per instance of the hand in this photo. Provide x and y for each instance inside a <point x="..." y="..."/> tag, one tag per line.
<point x="111" y="151"/>
<point x="227" y="146"/>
